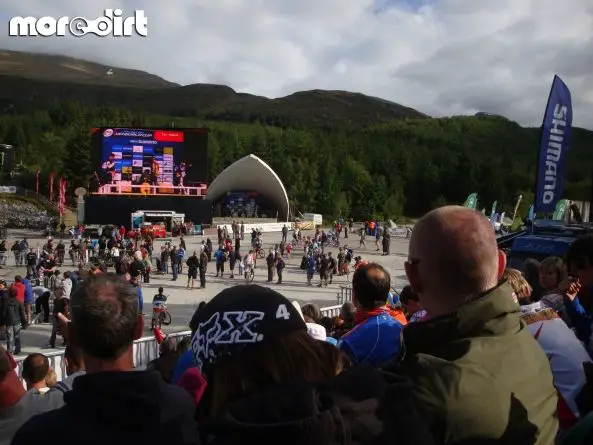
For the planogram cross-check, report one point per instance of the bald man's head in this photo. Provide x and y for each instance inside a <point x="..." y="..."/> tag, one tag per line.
<point x="453" y="253"/>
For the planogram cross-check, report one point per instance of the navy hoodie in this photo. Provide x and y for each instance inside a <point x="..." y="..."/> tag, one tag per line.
<point x="110" y="408"/>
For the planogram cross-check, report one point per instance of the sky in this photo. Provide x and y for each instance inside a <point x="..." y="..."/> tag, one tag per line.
<point x="442" y="57"/>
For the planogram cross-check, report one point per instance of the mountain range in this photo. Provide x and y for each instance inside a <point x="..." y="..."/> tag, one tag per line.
<point x="337" y="152"/>
<point x="32" y="80"/>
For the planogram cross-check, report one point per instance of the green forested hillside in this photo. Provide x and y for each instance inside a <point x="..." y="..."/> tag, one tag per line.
<point x="36" y="66"/>
<point x="405" y="167"/>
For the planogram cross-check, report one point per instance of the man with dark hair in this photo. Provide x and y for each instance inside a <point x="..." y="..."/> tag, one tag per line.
<point x="375" y="338"/>
<point x="13" y="408"/>
<point x="109" y="400"/>
<point x="412" y="305"/>
<point x="35" y="370"/>
<point x="12" y="316"/>
<point x="17" y="405"/>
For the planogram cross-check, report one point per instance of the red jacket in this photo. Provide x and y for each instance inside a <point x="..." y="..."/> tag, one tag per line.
<point x="20" y="291"/>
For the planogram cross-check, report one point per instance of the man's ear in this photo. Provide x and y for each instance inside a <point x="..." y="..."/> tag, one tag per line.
<point x="413" y="277"/>
<point x="139" y="327"/>
<point x="502" y="263"/>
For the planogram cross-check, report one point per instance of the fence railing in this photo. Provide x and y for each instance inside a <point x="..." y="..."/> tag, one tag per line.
<point x="331" y="311"/>
<point x="344" y="294"/>
<point x="145" y="350"/>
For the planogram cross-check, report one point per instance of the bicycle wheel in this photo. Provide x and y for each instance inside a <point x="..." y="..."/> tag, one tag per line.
<point x="261" y="253"/>
<point x="165" y="318"/>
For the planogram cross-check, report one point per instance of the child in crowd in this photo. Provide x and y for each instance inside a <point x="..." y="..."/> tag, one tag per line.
<point x="157" y="301"/>
<point x="521" y="288"/>
<point x="51" y="379"/>
<point x="552" y="273"/>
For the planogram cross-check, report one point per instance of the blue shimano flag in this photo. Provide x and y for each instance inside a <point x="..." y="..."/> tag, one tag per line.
<point x="554" y="144"/>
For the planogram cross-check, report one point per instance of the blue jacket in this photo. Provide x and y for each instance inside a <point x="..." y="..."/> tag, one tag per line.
<point x="28" y="291"/>
<point x="311" y="265"/>
<point x="374" y="341"/>
<point x="581" y="320"/>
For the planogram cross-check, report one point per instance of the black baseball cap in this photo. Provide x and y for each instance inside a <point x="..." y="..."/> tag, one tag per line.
<point x="240" y="317"/>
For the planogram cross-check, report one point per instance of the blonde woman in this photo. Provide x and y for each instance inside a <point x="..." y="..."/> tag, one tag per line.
<point x="564" y="350"/>
<point x="51" y="379"/>
<point x="521" y="288"/>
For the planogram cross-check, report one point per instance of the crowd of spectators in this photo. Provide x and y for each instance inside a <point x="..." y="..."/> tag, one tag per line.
<point x="466" y="355"/>
<point x="24" y="215"/>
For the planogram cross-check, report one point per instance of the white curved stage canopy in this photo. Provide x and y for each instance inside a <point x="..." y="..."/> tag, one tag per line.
<point x="251" y="174"/>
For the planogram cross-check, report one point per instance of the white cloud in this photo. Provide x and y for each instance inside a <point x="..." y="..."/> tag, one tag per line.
<point x="441" y="56"/>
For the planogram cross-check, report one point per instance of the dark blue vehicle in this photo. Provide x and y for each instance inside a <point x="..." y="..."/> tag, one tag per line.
<point x="543" y="239"/>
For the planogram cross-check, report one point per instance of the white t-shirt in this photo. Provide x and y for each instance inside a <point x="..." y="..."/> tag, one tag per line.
<point x="565" y="352"/>
<point x="40" y="290"/>
<point x="66" y="287"/>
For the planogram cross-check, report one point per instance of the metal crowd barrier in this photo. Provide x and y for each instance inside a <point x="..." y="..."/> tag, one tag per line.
<point x="331" y="311"/>
<point x="56" y="362"/>
<point x="344" y="294"/>
<point x="145" y="349"/>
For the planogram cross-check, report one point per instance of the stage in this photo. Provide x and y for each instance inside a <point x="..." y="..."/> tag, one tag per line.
<point x="127" y="188"/>
<point x="116" y="209"/>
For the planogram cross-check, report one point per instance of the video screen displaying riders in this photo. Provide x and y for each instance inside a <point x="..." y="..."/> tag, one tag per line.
<point x="146" y="170"/>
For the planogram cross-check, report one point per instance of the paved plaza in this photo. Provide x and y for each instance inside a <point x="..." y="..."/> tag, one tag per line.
<point x="182" y="302"/>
